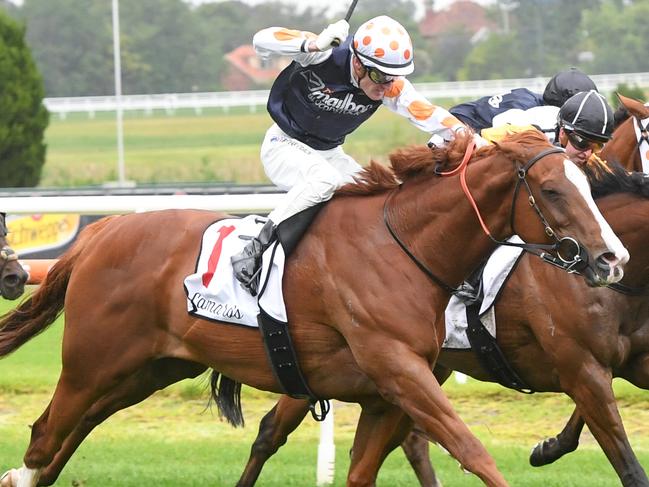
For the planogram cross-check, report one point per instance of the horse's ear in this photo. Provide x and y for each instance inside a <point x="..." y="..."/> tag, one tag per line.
<point x="636" y="107"/>
<point x="617" y="93"/>
<point x="626" y="100"/>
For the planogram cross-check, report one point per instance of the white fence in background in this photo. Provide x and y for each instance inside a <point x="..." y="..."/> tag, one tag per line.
<point x="253" y="99"/>
<point x="113" y="205"/>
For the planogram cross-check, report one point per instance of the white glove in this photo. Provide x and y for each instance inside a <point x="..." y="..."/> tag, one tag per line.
<point x="337" y="32"/>
<point x="436" y="141"/>
<point x="480" y="141"/>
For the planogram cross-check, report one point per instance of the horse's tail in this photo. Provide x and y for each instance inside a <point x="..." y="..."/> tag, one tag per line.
<point x="226" y="393"/>
<point x="42" y="308"/>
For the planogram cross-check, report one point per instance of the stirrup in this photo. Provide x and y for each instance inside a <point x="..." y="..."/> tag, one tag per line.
<point x="251" y="284"/>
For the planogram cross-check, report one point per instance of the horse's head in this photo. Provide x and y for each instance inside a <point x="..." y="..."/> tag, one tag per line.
<point x="623" y="198"/>
<point x="553" y="203"/>
<point x="624" y="148"/>
<point x="12" y="276"/>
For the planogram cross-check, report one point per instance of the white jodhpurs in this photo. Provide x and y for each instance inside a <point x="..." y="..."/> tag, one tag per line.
<point x="310" y="176"/>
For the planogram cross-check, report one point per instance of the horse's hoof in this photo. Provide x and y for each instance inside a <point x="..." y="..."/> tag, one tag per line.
<point x="545" y="452"/>
<point x="9" y="478"/>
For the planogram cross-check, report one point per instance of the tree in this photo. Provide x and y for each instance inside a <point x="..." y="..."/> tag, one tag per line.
<point x="485" y="61"/>
<point x="72" y="44"/>
<point x="447" y="54"/>
<point x="23" y="117"/>
<point x="548" y="33"/>
<point x="164" y="45"/>
<point x="618" y="36"/>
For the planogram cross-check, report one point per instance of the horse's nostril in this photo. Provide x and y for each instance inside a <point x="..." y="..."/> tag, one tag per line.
<point x="607" y="260"/>
<point x="13" y="280"/>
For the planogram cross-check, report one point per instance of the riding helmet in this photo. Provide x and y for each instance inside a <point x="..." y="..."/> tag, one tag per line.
<point x="565" y="84"/>
<point x="588" y="114"/>
<point x="383" y="43"/>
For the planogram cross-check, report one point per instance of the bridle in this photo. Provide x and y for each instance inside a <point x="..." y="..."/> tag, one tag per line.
<point x="575" y="264"/>
<point x="642" y="136"/>
<point x="7" y="254"/>
<point x="644" y="131"/>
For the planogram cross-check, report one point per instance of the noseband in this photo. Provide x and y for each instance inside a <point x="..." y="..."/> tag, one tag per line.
<point x="575" y="264"/>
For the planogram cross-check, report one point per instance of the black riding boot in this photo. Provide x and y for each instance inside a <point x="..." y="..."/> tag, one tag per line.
<point x="247" y="263"/>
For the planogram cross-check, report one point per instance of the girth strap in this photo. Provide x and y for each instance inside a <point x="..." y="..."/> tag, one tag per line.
<point x="275" y="334"/>
<point x="281" y="353"/>
<point x="489" y="353"/>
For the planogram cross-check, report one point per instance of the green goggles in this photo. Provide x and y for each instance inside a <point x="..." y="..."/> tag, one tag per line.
<point x="379" y="77"/>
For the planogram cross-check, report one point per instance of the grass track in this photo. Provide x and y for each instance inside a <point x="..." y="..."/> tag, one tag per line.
<point x="173" y="440"/>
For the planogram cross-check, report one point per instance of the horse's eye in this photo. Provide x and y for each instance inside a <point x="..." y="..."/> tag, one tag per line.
<point x="551" y="194"/>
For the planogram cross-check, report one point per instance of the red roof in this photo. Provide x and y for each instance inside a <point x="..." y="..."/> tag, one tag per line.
<point x="245" y="59"/>
<point x="462" y="13"/>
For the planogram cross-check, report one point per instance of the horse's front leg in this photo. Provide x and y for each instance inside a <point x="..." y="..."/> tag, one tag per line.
<point x="551" y="449"/>
<point x="590" y="386"/>
<point x="416" y="445"/>
<point x="369" y="455"/>
<point x="405" y="379"/>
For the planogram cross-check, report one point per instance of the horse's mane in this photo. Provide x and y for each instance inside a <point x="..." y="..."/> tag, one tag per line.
<point x="619" y="116"/>
<point x="612" y="178"/>
<point x="419" y="160"/>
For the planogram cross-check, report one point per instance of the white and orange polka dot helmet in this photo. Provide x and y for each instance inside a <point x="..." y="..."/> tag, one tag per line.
<point x="384" y="43"/>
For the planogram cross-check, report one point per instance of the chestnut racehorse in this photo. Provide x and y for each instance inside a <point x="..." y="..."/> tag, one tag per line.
<point x="367" y="330"/>
<point x="601" y="335"/>
<point x="12" y="276"/>
<point x="288" y="413"/>
<point x="623" y="147"/>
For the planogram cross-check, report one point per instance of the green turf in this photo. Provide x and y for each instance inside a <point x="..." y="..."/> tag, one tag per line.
<point x="173" y="440"/>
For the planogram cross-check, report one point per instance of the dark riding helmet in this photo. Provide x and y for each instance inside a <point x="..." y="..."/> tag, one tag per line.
<point x="565" y="84"/>
<point x="588" y="114"/>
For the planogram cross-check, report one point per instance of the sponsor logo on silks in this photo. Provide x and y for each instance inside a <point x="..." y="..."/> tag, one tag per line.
<point x="313" y="81"/>
<point x="345" y="105"/>
<point x="325" y="99"/>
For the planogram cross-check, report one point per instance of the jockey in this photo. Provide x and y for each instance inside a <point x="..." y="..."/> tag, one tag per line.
<point x="521" y="106"/>
<point x="321" y="97"/>
<point x="582" y="125"/>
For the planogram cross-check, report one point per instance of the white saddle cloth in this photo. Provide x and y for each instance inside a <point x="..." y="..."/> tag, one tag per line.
<point x="214" y="293"/>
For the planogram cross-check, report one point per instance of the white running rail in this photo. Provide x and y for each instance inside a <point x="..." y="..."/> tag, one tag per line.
<point x="170" y="102"/>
